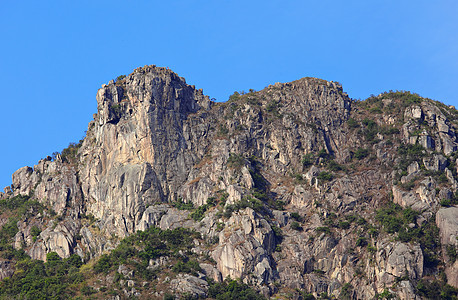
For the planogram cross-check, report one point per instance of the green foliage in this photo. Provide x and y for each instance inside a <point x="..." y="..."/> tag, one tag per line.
<point x="361" y="153"/>
<point x="389" y="218"/>
<point x="116" y="109"/>
<point x="333" y="166"/>
<point x="190" y="267"/>
<point x="323" y="229"/>
<point x="69" y="154"/>
<point x="407" y="186"/>
<point x="343" y="224"/>
<point x="232" y="289"/>
<point x="273" y="107"/>
<point x="410" y="153"/>
<point x="394" y="219"/>
<point x="325" y="176"/>
<point x="323" y="154"/>
<point x="307" y="296"/>
<point x="346" y="292"/>
<point x="34" y="232"/>
<point x="88" y="290"/>
<point x="21" y="206"/>
<point x="253" y="203"/>
<point x="376" y="110"/>
<point x="308" y="160"/>
<point x="222" y="130"/>
<point x="199" y="213"/>
<point x="234" y="97"/>
<point x="389" y="130"/>
<point x="352" y="123"/>
<point x="181" y="205"/>
<point x="8" y="231"/>
<point x="235" y="161"/>
<point x="385" y="295"/>
<point x="436" y="290"/>
<point x="371" y="249"/>
<point x="34" y="279"/>
<point x="103" y="264"/>
<point x="297" y="217"/>
<point x="319" y="272"/>
<point x="451" y="252"/>
<point x="260" y="183"/>
<point x="361" y="242"/>
<point x="407" y="98"/>
<point x="296" y="226"/>
<point x="277" y="231"/>
<point x="168" y="296"/>
<point x="415" y="151"/>
<point x="13" y="202"/>
<point x="370" y="130"/>
<point x="120" y="77"/>
<point x="146" y="245"/>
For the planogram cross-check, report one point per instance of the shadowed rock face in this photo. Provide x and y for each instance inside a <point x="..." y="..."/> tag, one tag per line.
<point x="156" y="140"/>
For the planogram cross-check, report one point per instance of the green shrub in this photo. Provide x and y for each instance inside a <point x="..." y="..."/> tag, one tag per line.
<point x="436" y="290"/>
<point x="88" y="290"/>
<point x="325" y="176"/>
<point x="35" y="231"/>
<point x="8" y="231"/>
<point x="323" y="154"/>
<point x="277" y="231"/>
<point x="346" y="293"/>
<point x="344" y="224"/>
<point x="333" y="166"/>
<point x="361" y="153"/>
<point x="323" y="229"/>
<point x="56" y="279"/>
<point x="120" y="77"/>
<point x="273" y="107"/>
<point x="232" y="289"/>
<point x="103" y="264"/>
<point x="234" y="97"/>
<point x="168" y="296"/>
<point x="446" y="202"/>
<point x="352" y="123"/>
<point x="296" y="226"/>
<point x="199" y="213"/>
<point x="361" y="242"/>
<point x="451" y="252"/>
<point x="190" y="267"/>
<point x="235" y="161"/>
<point x="297" y="217"/>
<point x="181" y="205"/>
<point x="308" y="160"/>
<point x="385" y="295"/>
<point x="69" y="154"/>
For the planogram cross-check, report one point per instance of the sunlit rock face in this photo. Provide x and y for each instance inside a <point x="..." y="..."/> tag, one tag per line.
<point x="292" y="179"/>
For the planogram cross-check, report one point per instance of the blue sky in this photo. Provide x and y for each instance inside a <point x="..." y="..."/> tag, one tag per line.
<point x="54" y="55"/>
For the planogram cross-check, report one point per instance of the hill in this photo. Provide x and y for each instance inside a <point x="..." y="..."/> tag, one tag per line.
<point x="295" y="191"/>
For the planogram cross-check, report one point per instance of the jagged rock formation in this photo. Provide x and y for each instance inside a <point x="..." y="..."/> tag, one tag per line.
<point x="298" y="171"/>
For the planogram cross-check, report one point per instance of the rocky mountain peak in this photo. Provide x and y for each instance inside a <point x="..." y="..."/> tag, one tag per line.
<point x="296" y="190"/>
<point x="148" y="89"/>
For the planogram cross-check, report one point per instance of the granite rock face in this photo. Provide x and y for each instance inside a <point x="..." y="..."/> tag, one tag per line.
<point x="297" y="169"/>
<point x="447" y="221"/>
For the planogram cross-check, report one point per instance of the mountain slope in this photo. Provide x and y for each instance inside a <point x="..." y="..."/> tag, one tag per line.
<point x="295" y="189"/>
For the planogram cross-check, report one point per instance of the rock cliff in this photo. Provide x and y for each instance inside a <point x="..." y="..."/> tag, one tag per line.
<point x="296" y="189"/>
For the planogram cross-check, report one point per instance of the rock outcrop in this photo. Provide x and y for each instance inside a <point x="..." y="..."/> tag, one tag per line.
<point x="282" y="184"/>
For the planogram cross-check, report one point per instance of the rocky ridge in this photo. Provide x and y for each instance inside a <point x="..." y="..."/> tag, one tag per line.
<point x="291" y="188"/>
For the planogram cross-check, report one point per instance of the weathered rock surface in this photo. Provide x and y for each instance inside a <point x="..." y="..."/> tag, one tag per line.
<point x="156" y="143"/>
<point x="447" y="221"/>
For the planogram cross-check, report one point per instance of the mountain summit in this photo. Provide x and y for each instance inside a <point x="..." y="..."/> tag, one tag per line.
<point x="297" y="191"/>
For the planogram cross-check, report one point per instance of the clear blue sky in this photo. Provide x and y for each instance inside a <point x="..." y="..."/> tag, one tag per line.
<point x="54" y="55"/>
